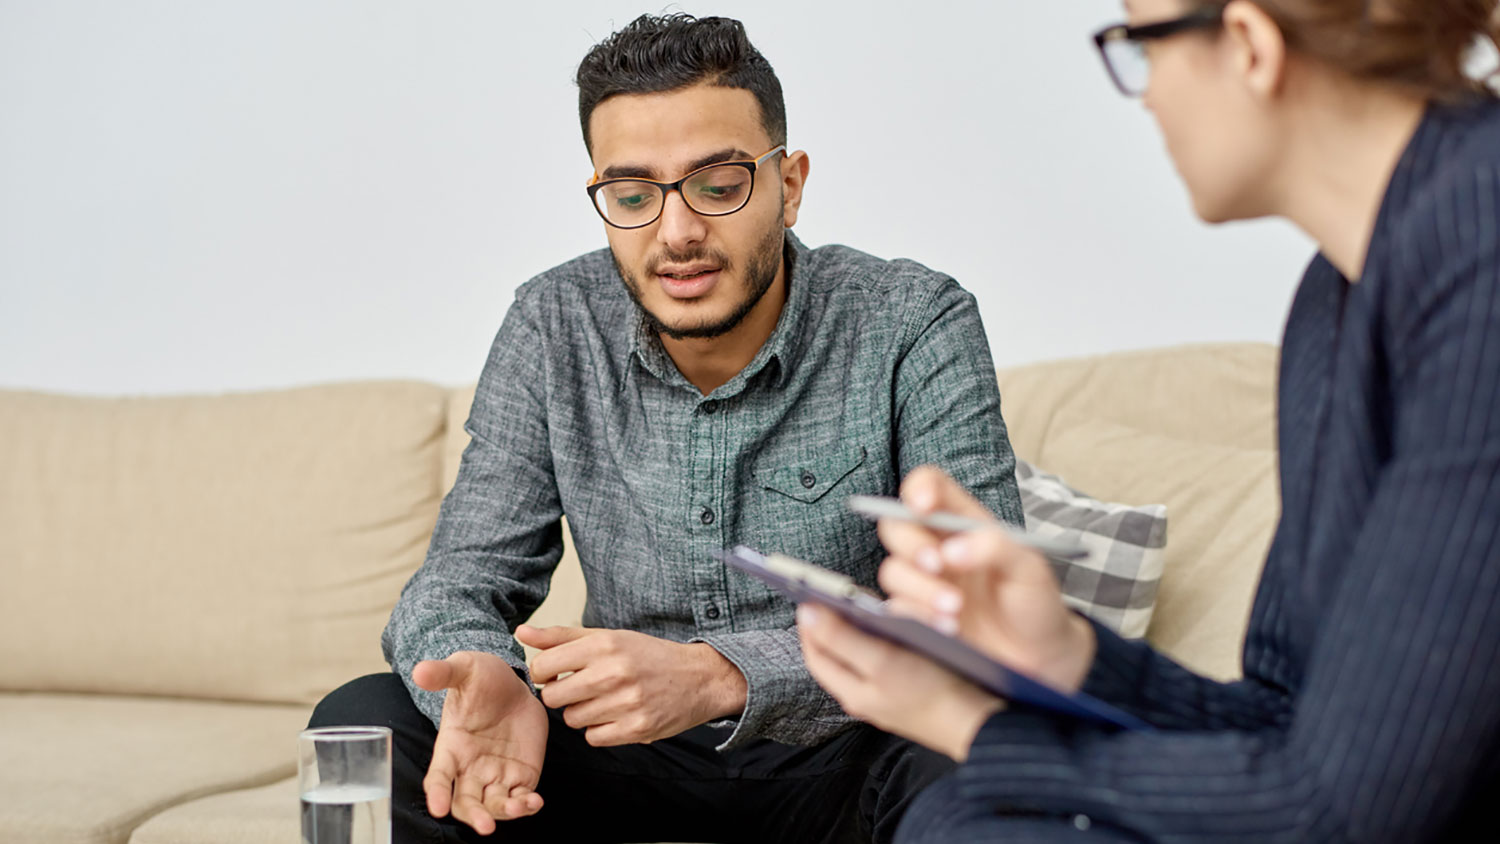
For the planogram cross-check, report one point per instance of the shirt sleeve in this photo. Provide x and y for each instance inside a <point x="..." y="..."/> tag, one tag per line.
<point x="498" y="536"/>
<point x="782" y="702"/>
<point x="1394" y="725"/>
<point x="947" y="403"/>
<point x="1133" y="676"/>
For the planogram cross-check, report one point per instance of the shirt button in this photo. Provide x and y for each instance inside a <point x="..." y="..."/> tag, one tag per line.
<point x="710" y="407"/>
<point x="808" y="481"/>
<point x="713" y="612"/>
<point x="707" y="516"/>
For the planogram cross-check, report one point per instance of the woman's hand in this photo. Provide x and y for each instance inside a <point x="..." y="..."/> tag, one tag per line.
<point x="890" y="687"/>
<point x="994" y="593"/>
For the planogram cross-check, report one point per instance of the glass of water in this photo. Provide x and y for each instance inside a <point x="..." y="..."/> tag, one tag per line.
<point x="345" y="779"/>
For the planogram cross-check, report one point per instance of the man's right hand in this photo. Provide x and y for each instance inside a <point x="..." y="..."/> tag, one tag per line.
<point x="490" y="744"/>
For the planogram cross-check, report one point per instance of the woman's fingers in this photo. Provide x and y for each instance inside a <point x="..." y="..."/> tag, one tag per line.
<point x="837" y="656"/>
<point x="860" y="653"/>
<point x="947" y="624"/>
<point x="900" y="577"/>
<point x="848" y="688"/>
<point x="928" y="490"/>
<point x="986" y="549"/>
<point x="917" y="593"/>
<point x="909" y="539"/>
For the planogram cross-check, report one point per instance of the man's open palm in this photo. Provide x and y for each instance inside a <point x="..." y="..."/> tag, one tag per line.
<point x="490" y="743"/>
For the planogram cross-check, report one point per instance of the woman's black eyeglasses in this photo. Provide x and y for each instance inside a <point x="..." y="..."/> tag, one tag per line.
<point x="1122" y="46"/>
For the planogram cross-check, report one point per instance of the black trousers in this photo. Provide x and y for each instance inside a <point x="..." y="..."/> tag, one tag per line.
<point x="943" y="815"/>
<point x="854" y="787"/>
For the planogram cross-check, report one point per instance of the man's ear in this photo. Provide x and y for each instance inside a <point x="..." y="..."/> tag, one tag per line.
<point x="794" y="169"/>
<point x="1258" y="48"/>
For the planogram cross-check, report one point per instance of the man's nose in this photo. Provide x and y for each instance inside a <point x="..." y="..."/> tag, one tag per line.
<point x="679" y="226"/>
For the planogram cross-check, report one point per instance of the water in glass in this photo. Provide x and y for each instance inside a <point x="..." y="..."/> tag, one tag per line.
<point x="346" y="814"/>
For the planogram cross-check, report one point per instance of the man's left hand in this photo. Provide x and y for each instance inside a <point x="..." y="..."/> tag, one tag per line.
<point x="624" y="687"/>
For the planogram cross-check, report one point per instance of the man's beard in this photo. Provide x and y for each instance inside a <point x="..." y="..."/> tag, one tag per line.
<point x="760" y="274"/>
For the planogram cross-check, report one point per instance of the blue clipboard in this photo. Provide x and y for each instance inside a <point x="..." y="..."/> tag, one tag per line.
<point x="800" y="582"/>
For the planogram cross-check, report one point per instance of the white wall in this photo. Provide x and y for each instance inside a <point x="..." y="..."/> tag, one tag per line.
<point x="204" y="196"/>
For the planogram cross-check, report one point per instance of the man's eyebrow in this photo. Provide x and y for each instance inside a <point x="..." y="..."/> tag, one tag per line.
<point x="627" y="171"/>
<point x="719" y="157"/>
<point x="635" y="171"/>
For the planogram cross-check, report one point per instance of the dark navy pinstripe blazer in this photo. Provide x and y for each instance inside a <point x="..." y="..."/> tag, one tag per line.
<point x="1370" y="708"/>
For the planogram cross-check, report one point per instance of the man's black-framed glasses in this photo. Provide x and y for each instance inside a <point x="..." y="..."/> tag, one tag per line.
<point x="1123" y="47"/>
<point x="713" y="191"/>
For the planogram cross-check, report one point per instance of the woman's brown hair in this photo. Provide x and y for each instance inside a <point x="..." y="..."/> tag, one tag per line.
<point x="1423" y="45"/>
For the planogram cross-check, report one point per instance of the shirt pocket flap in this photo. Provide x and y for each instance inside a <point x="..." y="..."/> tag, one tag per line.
<point x="810" y="479"/>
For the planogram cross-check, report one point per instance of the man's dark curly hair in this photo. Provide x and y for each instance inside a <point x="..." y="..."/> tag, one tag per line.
<point x="654" y="54"/>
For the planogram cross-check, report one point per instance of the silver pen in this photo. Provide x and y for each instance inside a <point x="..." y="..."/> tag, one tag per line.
<point x="874" y="507"/>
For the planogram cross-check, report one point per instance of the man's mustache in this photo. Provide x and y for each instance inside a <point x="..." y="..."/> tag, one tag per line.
<point x="710" y="256"/>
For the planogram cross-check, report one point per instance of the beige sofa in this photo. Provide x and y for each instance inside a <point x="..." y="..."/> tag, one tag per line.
<point x="184" y="577"/>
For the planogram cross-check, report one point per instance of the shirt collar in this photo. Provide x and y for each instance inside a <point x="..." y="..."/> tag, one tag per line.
<point x="778" y="353"/>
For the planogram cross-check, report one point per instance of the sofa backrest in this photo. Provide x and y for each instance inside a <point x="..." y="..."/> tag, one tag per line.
<point x="243" y="547"/>
<point x="1191" y="427"/>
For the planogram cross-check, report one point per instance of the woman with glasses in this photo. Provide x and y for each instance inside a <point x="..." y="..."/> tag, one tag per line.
<point x="1370" y="704"/>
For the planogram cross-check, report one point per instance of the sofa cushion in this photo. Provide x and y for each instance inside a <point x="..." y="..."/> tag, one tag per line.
<point x="1117" y="584"/>
<point x="243" y="547"/>
<point x="85" y="769"/>
<point x="1224" y="506"/>
<point x="249" y="816"/>
<point x="264" y="815"/>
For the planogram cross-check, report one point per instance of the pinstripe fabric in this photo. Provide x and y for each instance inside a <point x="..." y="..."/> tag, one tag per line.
<point x="1370" y="708"/>
<point x="874" y="368"/>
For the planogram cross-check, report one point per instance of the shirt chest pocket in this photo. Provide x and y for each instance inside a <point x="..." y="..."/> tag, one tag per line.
<point x="808" y="480"/>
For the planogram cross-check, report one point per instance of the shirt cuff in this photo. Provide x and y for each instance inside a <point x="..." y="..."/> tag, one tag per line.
<point x="782" y="700"/>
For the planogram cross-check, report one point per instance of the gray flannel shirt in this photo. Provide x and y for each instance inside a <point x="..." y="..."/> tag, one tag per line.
<point x="875" y="367"/>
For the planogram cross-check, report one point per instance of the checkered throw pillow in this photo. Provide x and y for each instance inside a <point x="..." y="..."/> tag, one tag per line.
<point x="1116" y="585"/>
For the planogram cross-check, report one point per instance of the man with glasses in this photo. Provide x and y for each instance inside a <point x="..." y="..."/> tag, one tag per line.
<point x="704" y="382"/>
